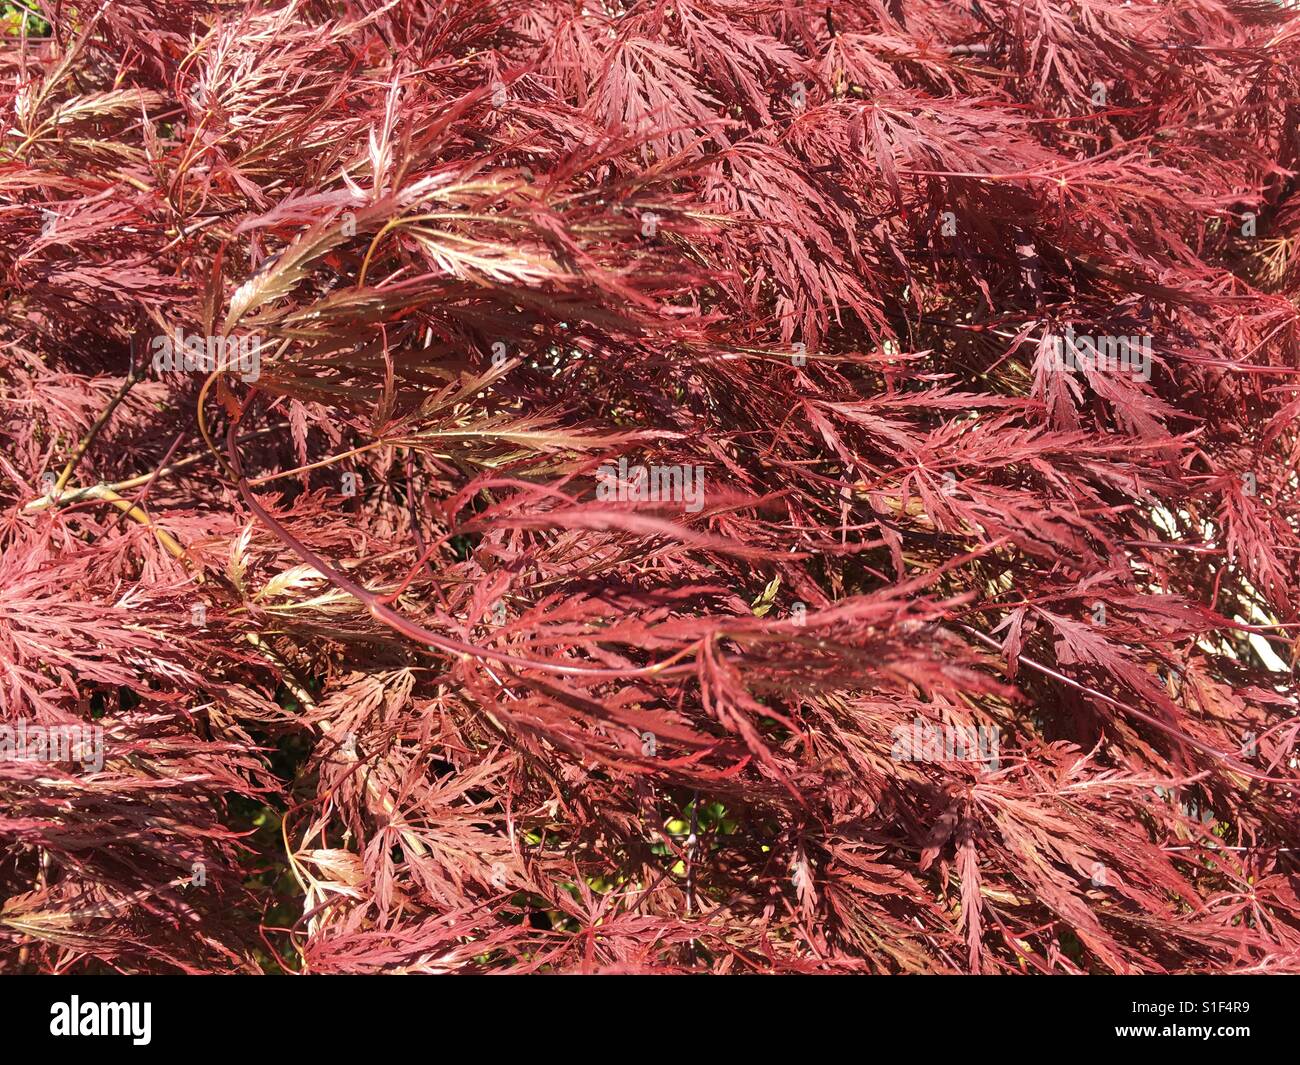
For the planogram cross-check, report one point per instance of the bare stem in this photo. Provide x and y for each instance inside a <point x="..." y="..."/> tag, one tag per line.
<point x="134" y="376"/>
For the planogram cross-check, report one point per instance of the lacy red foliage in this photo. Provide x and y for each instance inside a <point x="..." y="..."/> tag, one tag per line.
<point x="930" y="653"/>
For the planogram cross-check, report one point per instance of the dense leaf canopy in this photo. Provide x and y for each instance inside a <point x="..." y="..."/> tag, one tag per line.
<point x="390" y="680"/>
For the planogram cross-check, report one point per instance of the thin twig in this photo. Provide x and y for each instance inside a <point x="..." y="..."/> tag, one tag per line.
<point x="90" y="492"/>
<point x="136" y="374"/>
<point x="1154" y="722"/>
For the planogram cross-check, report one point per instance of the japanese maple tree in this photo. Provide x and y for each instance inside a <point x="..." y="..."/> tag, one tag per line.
<point x="512" y="479"/>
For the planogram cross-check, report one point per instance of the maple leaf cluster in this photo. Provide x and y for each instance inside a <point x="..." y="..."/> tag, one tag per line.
<point x="516" y="485"/>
